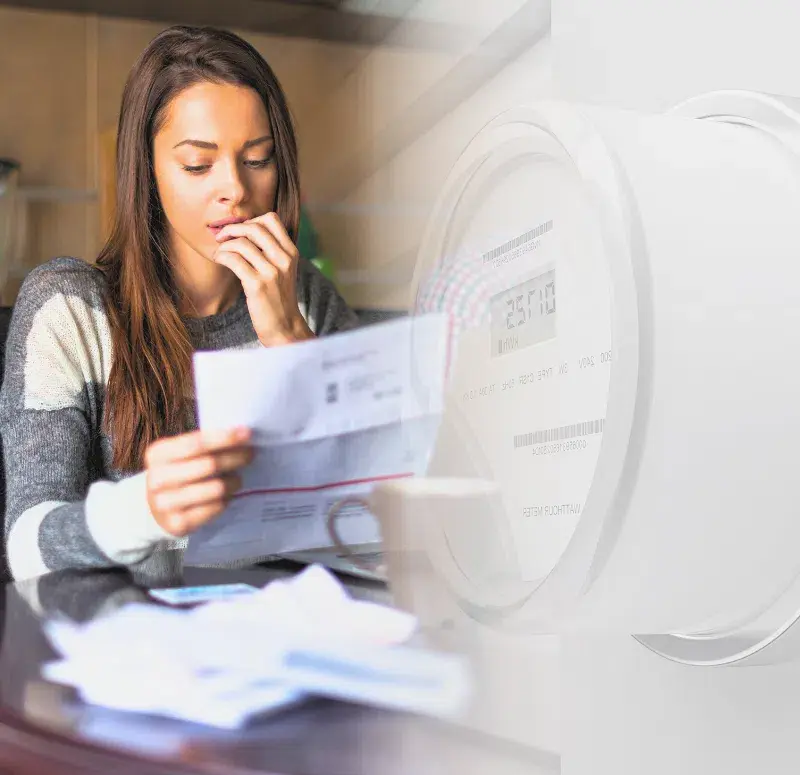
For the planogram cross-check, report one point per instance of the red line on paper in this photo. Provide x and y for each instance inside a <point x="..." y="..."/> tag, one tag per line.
<point x="320" y="487"/>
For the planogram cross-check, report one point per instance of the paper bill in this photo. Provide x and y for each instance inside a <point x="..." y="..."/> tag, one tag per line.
<point x="203" y="594"/>
<point x="414" y="680"/>
<point x="331" y="418"/>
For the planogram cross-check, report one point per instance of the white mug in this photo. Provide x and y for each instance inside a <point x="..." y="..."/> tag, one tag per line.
<point x="451" y="527"/>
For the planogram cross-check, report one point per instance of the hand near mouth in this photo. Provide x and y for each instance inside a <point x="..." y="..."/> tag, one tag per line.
<point x="264" y="258"/>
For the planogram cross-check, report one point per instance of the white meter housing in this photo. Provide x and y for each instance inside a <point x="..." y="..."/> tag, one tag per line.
<point x="625" y="293"/>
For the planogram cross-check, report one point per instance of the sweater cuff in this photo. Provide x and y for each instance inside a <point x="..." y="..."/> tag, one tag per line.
<point x="120" y="521"/>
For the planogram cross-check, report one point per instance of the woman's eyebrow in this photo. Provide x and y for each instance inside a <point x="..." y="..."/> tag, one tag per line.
<point x="215" y="147"/>
<point x="257" y="141"/>
<point x="197" y="144"/>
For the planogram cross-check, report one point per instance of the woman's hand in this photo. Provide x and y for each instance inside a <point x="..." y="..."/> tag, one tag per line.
<point x="191" y="477"/>
<point x="262" y="255"/>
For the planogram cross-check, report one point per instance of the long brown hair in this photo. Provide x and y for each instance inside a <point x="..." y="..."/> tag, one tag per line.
<point x="152" y="353"/>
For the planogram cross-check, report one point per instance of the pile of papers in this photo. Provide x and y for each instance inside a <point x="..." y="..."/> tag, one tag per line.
<point x="225" y="661"/>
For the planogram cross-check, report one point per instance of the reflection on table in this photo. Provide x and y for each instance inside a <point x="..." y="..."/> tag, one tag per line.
<point x="318" y="736"/>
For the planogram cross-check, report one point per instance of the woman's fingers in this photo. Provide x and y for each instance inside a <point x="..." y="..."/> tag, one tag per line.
<point x="198" y="494"/>
<point x="191" y="477"/>
<point x="190" y="519"/>
<point x="242" y="268"/>
<point x="273" y="224"/>
<point x="250" y="252"/>
<point x="194" y="444"/>
<point x="264" y="259"/>
<point x="276" y="252"/>
<point x="200" y="468"/>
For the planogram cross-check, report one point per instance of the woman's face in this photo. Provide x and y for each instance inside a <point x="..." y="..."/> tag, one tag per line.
<point x="214" y="163"/>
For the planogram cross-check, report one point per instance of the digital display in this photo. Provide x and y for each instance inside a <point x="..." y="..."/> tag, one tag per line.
<point x="525" y="314"/>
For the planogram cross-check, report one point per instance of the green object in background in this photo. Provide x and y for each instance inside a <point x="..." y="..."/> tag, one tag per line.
<point x="325" y="265"/>
<point x="308" y="245"/>
<point x="307" y="240"/>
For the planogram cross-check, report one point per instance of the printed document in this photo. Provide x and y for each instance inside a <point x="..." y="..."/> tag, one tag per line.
<point x="331" y="417"/>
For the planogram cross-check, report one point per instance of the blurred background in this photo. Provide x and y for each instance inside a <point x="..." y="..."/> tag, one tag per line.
<point x="385" y="94"/>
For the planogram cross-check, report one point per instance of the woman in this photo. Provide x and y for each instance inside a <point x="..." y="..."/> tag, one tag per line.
<point x="104" y="464"/>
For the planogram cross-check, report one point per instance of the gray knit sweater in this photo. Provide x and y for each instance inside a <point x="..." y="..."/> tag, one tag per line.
<point x="66" y="506"/>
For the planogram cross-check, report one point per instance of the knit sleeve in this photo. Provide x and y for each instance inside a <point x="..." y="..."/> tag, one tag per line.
<point x="326" y="312"/>
<point x="60" y="512"/>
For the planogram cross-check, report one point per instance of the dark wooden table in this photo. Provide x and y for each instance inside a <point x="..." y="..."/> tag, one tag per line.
<point x="45" y="728"/>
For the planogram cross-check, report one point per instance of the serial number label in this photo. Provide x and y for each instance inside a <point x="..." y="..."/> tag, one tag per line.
<point x="552" y="510"/>
<point x="560" y="446"/>
<point x="481" y="392"/>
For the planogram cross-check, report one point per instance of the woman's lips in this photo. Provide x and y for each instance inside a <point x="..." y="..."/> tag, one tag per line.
<point x="217" y="226"/>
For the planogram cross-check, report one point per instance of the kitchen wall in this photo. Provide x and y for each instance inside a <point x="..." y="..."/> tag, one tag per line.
<point x="421" y="110"/>
<point x="61" y="80"/>
<point x="378" y="127"/>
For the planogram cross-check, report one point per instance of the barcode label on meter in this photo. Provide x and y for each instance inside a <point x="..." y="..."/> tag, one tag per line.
<point x="575" y="431"/>
<point x="493" y="256"/>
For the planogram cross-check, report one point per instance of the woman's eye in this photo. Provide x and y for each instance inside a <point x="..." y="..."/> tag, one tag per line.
<point x="195" y="170"/>
<point x="258" y="164"/>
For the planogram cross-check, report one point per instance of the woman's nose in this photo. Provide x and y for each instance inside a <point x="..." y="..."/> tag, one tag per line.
<point x="232" y="188"/>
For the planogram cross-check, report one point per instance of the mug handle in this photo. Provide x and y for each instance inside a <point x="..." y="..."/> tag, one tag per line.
<point x="330" y="524"/>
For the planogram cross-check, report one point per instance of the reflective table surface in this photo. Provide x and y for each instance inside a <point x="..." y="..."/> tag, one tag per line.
<point x="46" y="728"/>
